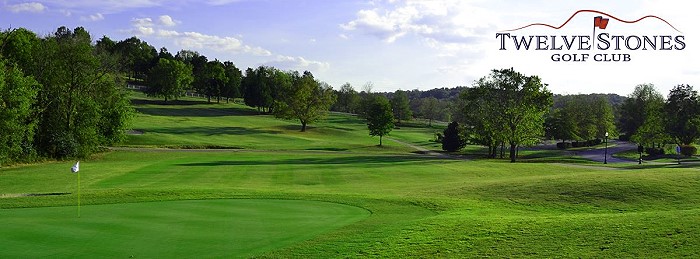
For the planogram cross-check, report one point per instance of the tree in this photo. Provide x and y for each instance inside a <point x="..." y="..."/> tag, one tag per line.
<point x="580" y="117"/>
<point x="17" y="96"/>
<point x="232" y="86"/>
<point x="380" y="118"/>
<point x="303" y="97"/>
<point x="559" y="124"/>
<point x="452" y="140"/>
<point x="71" y="102"/>
<point x="259" y="89"/>
<point x="634" y="110"/>
<point x="201" y="80"/>
<point x="169" y="79"/>
<point x="430" y="107"/>
<point x="518" y="104"/>
<point x="215" y="82"/>
<point x="399" y="104"/>
<point x="348" y="99"/>
<point x="482" y="117"/>
<point x="137" y="56"/>
<point x="682" y="114"/>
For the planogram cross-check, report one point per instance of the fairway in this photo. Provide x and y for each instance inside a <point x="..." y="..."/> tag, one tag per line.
<point x="173" y="229"/>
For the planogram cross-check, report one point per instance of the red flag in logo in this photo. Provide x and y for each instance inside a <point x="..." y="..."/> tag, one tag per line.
<point x="600" y="22"/>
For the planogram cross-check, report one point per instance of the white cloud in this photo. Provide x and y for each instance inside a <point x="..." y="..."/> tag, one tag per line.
<point x="32" y="7"/>
<point x="298" y="63"/>
<point x="142" y="22"/>
<point x="192" y="40"/>
<point x="220" y="2"/>
<point x="93" y="17"/>
<point x="451" y="21"/>
<point x="104" y="6"/>
<point x="166" y="20"/>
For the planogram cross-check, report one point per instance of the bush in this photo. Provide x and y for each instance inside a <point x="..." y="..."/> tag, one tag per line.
<point x="654" y="151"/>
<point x="563" y="145"/>
<point x="688" y="150"/>
<point x="452" y="141"/>
<point x="624" y="137"/>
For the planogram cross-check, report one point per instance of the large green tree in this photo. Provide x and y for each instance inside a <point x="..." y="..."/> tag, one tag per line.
<point x="169" y="79"/>
<point x="17" y="96"/>
<point x="303" y="97"/>
<point x="682" y="114"/>
<point x="259" y="88"/>
<point x="137" y="57"/>
<point x="430" y="108"/>
<point x="399" y="104"/>
<point x="232" y="86"/>
<point x="645" y="99"/>
<point x="519" y="103"/>
<point x="380" y="118"/>
<point x="348" y="99"/>
<point x="72" y="104"/>
<point x="581" y="117"/>
<point x="452" y="138"/>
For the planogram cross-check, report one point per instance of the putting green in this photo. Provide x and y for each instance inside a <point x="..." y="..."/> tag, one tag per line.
<point x="172" y="229"/>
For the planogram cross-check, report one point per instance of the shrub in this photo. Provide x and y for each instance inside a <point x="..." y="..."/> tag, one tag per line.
<point x="688" y="150"/>
<point x="452" y="140"/>
<point x="563" y="145"/>
<point x="654" y="151"/>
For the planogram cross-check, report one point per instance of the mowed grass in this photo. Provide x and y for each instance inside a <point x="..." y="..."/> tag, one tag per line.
<point x="193" y="123"/>
<point x="174" y="229"/>
<point x="420" y="206"/>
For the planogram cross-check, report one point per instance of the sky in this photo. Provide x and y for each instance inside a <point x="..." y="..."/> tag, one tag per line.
<point x="394" y="44"/>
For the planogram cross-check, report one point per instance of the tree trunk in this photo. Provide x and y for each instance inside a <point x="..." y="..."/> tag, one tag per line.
<point x="512" y="152"/>
<point x="503" y="149"/>
<point x="380" y="140"/>
<point x="303" y="126"/>
<point x="209" y="98"/>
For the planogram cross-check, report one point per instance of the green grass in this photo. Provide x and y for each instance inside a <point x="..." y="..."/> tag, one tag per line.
<point x="195" y="228"/>
<point x="419" y="206"/>
<point x="193" y="123"/>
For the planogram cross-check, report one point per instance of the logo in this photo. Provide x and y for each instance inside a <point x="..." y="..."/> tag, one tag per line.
<point x="607" y="46"/>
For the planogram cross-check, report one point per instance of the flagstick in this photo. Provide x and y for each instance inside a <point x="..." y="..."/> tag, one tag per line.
<point x="78" y="194"/>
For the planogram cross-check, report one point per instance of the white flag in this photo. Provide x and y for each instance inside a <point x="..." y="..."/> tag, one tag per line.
<point x="76" y="167"/>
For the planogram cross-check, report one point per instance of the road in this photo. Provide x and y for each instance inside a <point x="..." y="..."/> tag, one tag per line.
<point x="615" y="147"/>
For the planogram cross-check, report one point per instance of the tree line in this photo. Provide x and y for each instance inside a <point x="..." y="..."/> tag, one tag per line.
<point x="60" y="96"/>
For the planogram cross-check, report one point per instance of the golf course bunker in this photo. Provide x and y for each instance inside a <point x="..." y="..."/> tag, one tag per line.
<point x="170" y="229"/>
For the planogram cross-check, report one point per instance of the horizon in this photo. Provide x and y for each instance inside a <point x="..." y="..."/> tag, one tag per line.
<point x="396" y="45"/>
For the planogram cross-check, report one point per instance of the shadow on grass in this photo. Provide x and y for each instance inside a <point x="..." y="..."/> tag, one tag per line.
<point x="213" y="131"/>
<point x="361" y="161"/>
<point x="328" y="149"/>
<point x="197" y="112"/>
<point x="694" y="165"/>
<point x="161" y="102"/>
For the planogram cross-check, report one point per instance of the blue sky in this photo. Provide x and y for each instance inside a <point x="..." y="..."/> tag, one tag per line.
<point x="395" y="44"/>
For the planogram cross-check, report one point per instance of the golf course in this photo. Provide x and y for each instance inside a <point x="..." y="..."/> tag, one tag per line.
<point x="206" y="180"/>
